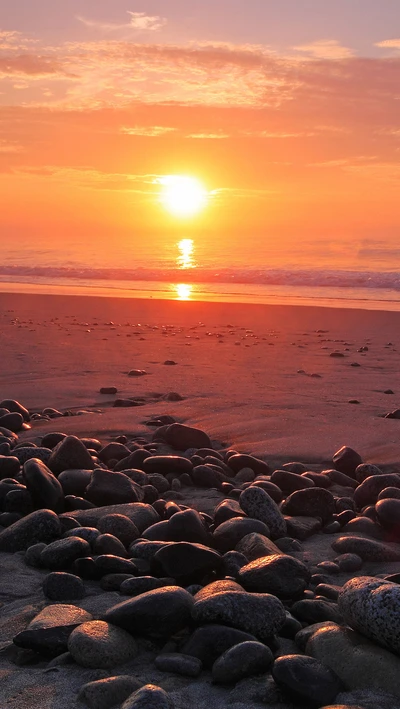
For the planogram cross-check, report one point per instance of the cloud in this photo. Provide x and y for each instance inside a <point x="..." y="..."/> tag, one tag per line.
<point x="139" y="21"/>
<point x="147" y="131"/>
<point x="10" y="147"/>
<point x="390" y="43"/>
<point x="209" y="136"/>
<point x="32" y="65"/>
<point x="325" y="49"/>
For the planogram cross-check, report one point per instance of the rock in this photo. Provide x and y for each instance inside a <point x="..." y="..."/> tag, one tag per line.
<point x="99" y="644"/>
<point x="278" y="574"/>
<point x="179" y="664"/>
<point x="140" y="514"/>
<point x="257" y="504"/>
<point x="182" y="437"/>
<point x="254" y="546"/>
<point x="232" y="561"/>
<point x="366" y="470"/>
<point x="315" y="502"/>
<point x="59" y="586"/>
<point x="136" y="586"/>
<point x="44" y="488"/>
<point x="159" y="613"/>
<point x="242" y="660"/>
<point x="366" y="699"/>
<point x="111" y="564"/>
<point x="346" y="460"/>
<point x="149" y="697"/>
<point x="207" y="477"/>
<point x="186" y="562"/>
<point x="106" y="693"/>
<point x="368" y="491"/>
<point x="50" y="440"/>
<point x="9" y="466"/>
<point x="389" y="492"/>
<point x="306" y="679"/>
<point x="28" y="452"/>
<point x="210" y="641"/>
<point x="290" y="482"/>
<point x="187" y="526"/>
<point x="302" y="527"/>
<point x="335" y="476"/>
<point x="108" y="544"/>
<point x="363" y="526"/>
<point x="303" y="635"/>
<point x="229" y="533"/>
<point x="70" y="453"/>
<point x="273" y="490"/>
<point x="15" y="407"/>
<point x="49" y="631"/>
<point x="13" y="421"/>
<point x="367" y="549"/>
<point x="39" y="526"/>
<point x="75" y="482"/>
<point x="359" y="663"/>
<point x="133" y="461"/>
<point x="349" y="562"/>
<point x="372" y="607"/>
<point x="113" y="451"/>
<point x="259" y="614"/>
<point x="164" y="464"/>
<point x="61" y="553"/>
<point x="238" y="461"/>
<point x="89" y="534"/>
<point x="107" y="488"/>
<point x="227" y="509"/>
<point x="388" y="512"/>
<point x="316" y="611"/>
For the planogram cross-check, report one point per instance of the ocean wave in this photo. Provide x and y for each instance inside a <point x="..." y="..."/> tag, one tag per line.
<point x="389" y="280"/>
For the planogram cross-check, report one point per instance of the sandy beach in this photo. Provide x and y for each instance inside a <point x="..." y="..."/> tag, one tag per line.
<point x="258" y="378"/>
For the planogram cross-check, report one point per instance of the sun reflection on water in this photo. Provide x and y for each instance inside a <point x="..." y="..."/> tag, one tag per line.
<point x="184" y="291"/>
<point x="185" y="256"/>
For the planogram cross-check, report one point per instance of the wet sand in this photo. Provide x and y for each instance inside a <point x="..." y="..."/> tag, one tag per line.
<point x="260" y="379"/>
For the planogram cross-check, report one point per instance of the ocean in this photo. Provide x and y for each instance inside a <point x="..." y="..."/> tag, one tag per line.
<point x="337" y="275"/>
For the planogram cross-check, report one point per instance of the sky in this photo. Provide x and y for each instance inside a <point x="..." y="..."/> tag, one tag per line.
<point x="287" y="112"/>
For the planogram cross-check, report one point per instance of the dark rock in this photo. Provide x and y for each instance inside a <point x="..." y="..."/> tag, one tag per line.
<point x="59" y="586"/>
<point x="111" y="564"/>
<point x="105" y="693"/>
<point x="346" y="461"/>
<point x="9" y="466"/>
<point x="227" y="509"/>
<point x="365" y="470"/>
<point x="207" y="477"/>
<point x="238" y="461"/>
<point x="243" y="660"/>
<point x="113" y="451"/>
<point x="39" y="526"/>
<point x="315" y="502"/>
<point x="388" y="512"/>
<point x="112" y="582"/>
<point x="302" y="527"/>
<point x="136" y="586"/>
<point x="108" y="487"/>
<point x="133" y="460"/>
<point x="149" y="697"/>
<point x="315" y="611"/>
<point x="254" y="546"/>
<point x="44" y="488"/>
<point x="49" y="631"/>
<point x="179" y="664"/>
<point x="232" y="562"/>
<point x="229" y="533"/>
<point x="257" y="504"/>
<point x="290" y="482"/>
<point x="120" y="526"/>
<point x="211" y="641"/>
<point x="74" y="482"/>
<point x="70" y="453"/>
<point x="389" y="493"/>
<point x="108" y="544"/>
<point x="140" y="514"/>
<point x="61" y="554"/>
<point x="15" y="407"/>
<point x="187" y="562"/>
<point x="98" y="644"/>
<point x="182" y="437"/>
<point x="368" y="491"/>
<point x="159" y="613"/>
<point x="90" y="534"/>
<point x="279" y="574"/>
<point x="164" y="464"/>
<point x="273" y="490"/>
<point x="306" y="679"/>
<point x="28" y="452"/>
<point x="367" y="549"/>
<point x="13" y="421"/>
<point x="349" y="562"/>
<point x="50" y="440"/>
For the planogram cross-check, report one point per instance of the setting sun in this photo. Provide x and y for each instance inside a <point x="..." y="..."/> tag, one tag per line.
<point x="182" y="196"/>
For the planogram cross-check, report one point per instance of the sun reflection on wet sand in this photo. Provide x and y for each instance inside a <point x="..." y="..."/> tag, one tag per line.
<point x="185" y="257"/>
<point x="184" y="291"/>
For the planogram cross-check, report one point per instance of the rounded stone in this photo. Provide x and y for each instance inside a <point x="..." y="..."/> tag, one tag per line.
<point x="98" y="644"/>
<point x="243" y="660"/>
<point x="59" y="586"/>
<point x="149" y="697"/>
<point x="61" y="554"/>
<point x="179" y="664"/>
<point x="279" y="574"/>
<point x="256" y="503"/>
<point x="306" y="679"/>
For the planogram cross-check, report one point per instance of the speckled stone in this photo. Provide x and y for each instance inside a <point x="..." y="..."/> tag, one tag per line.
<point x="256" y="503"/>
<point x="106" y="693"/>
<point x="100" y="644"/>
<point x="149" y="697"/>
<point x="367" y="549"/>
<point x="243" y="660"/>
<point x="279" y="574"/>
<point x="372" y="606"/>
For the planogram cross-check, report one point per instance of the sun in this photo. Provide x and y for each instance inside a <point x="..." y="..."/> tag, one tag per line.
<point x="182" y="196"/>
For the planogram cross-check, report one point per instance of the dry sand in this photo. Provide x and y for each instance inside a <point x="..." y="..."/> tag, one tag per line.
<point x="247" y="372"/>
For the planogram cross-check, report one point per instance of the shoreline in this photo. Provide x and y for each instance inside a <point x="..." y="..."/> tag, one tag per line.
<point x="260" y="378"/>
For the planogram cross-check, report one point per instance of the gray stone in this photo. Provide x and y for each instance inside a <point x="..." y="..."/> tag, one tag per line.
<point x="368" y="491"/>
<point x="367" y="549"/>
<point x="28" y="452"/>
<point x="140" y="514"/>
<point x="279" y="574"/>
<point x="149" y="697"/>
<point x="243" y="660"/>
<point x="59" y="586"/>
<point x="186" y="562"/>
<point x="70" y="453"/>
<point x="229" y="533"/>
<point x="9" y="466"/>
<point x="39" y="526"/>
<point x="210" y="641"/>
<point x="372" y="607"/>
<point x="346" y="460"/>
<point x="261" y="615"/>
<point x="101" y="645"/>
<point x="108" y="692"/>
<point x="315" y="502"/>
<point x="61" y="554"/>
<point x="254" y="546"/>
<point x="179" y="664"/>
<point x="49" y="631"/>
<point x="256" y="503"/>
<point x="307" y="679"/>
<point x="44" y="488"/>
<point x="107" y="487"/>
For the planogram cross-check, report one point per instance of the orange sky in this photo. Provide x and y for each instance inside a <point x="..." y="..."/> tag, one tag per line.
<point x="292" y="143"/>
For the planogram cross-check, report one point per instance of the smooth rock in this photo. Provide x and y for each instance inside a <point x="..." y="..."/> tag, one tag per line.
<point x="149" y="697"/>
<point x="70" y="453"/>
<point x="315" y="502"/>
<point x="307" y="679"/>
<point x="108" y="692"/>
<point x="107" y="488"/>
<point x="61" y="553"/>
<point x="44" y="488"/>
<point x="49" y="631"/>
<point x="59" y="586"/>
<point x="367" y="549"/>
<point x="208" y="642"/>
<point x="186" y="562"/>
<point x="228" y="534"/>
<point x="179" y="664"/>
<point x="101" y="645"/>
<point x="243" y="660"/>
<point x="279" y="574"/>
<point x="254" y="546"/>
<point x="39" y="526"/>
<point x="346" y="460"/>
<point x="257" y="504"/>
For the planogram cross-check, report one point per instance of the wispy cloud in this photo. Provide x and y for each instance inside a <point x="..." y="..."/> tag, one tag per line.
<point x="147" y="131"/>
<point x="139" y="21"/>
<point x="325" y="49"/>
<point x="389" y="44"/>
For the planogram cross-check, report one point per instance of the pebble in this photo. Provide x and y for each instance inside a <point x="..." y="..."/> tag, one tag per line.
<point x="108" y="692"/>
<point x="61" y="553"/>
<point x="179" y="664"/>
<point x="187" y="562"/>
<point x="229" y="533"/>
<point x="346" y="460"/>
<point x="149" y="697"/>
<point x="279" y="574"/>
<point x="257" y="504"/>
<point x="367" y="549"/>
<point x="98" y="644"/>
<point x="210" y="641"/>
<point x="111" y="488"/>
<point x="59" y="586"/>
<point x="307" y="679"/>
<point x="70" y="453"/>
<point x="254" y="546"/>
<point x="49" y="631"/>
<point x="39" y="526"/>
<point x="243" y="660"/>
<point x="159" y="613"/>
<point x="44" y="488"/>
<point x="315" y="502"/>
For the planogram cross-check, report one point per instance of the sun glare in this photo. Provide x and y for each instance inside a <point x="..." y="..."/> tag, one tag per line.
<point x="184" y="291"/>
<point x="182" y="196"/>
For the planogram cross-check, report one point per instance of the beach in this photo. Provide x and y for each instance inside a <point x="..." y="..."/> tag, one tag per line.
<point x="258" y="378"/>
